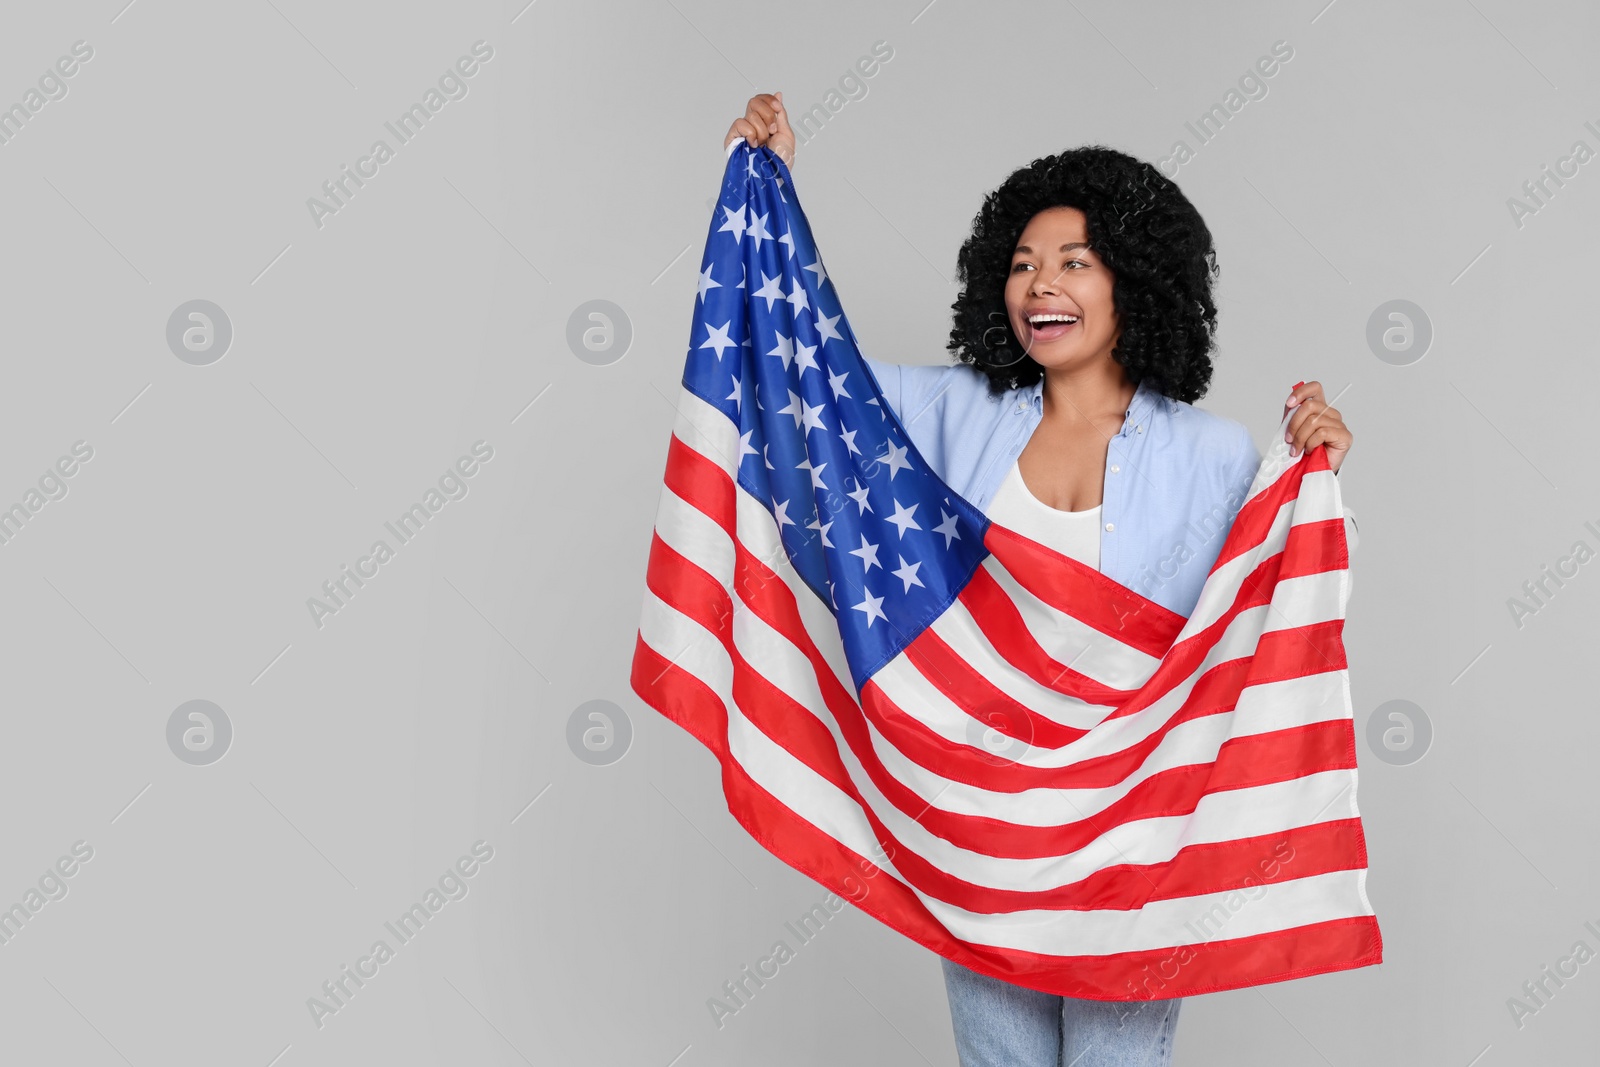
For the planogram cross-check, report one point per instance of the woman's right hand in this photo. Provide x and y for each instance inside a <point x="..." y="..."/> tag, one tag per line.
<point x="765" y="123"/>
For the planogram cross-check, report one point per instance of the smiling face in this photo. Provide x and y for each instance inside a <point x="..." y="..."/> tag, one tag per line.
<point x="1054" y="272"/>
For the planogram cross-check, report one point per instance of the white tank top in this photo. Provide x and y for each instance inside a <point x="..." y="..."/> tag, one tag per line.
<point x="1072" y="533"/>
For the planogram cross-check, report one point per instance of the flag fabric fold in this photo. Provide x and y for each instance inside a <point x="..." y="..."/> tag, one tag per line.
<point x="990" y="747"/>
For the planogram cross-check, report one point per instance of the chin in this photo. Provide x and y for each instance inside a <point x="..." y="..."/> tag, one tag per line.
<point x="1060" y="358"/>
<point x="1054" y="354"/>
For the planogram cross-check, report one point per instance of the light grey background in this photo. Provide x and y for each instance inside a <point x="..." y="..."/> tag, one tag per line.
<point x="432" y="311"/>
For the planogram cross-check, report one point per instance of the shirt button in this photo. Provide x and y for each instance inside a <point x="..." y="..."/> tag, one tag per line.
<point x="1111" y="527"/>
<point x="1140" y="428"/>
<point x="1115" y="469"/>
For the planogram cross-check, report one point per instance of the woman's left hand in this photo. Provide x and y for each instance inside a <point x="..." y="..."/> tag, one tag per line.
<point x="1315" y="423"/>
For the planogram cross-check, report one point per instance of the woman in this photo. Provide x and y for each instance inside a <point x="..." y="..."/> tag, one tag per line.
<point x="1082" y="334"/>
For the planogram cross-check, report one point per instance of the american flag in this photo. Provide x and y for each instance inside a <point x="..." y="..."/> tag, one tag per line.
<point x="988" y="746"/>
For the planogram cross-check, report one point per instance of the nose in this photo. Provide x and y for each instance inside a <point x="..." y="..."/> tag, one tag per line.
<point x="1042" y="284"/>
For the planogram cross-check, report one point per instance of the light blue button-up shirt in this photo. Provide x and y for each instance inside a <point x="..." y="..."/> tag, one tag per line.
<point x="1175" y="475"/>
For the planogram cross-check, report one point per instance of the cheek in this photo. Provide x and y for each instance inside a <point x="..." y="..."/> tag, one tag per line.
<point x="1015" y="294"/>
<point x="1100" y="299"/>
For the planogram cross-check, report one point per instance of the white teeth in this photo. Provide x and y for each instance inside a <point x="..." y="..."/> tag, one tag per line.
<point x="1036" y="319"/>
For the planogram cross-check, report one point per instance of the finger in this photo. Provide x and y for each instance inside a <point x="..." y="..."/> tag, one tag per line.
<point x="1301" y="392"/>
<point x="1328" y="436"/>
<point x="748" y="131"/>
<point x="1310" y="431"/>
<point x="761" y="114"/>
<point x="1305" y="412"/>
<point x="752" y="134"/>
<point x="783" y="121"/>
<point x="1290" y="401"/>
<point x="1314" y="411"/>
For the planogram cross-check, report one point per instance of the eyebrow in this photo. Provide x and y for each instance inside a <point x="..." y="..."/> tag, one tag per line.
<point x="1064" y="248"/>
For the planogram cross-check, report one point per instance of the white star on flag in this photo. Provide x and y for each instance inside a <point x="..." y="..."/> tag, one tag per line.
<point x="770" y="289"/>
<point x="758" y="230"/>
<point x="706" y="284"/>
<point x="734" y="223"/>
<point x="718" y="338"/>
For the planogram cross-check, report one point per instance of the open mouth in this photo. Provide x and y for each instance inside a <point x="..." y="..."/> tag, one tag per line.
<point x="1049" y="326"/>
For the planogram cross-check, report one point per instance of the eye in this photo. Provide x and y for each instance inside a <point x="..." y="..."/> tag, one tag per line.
<point x="1015" y="267"/>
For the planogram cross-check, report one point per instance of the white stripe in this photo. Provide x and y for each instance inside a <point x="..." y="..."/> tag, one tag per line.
<point x="706" y="430"/>
<point x="1217" y="595"/>
<point x="1164" y="923"/>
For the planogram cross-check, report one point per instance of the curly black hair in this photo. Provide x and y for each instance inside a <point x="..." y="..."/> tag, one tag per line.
<point x="1145" y="231"/>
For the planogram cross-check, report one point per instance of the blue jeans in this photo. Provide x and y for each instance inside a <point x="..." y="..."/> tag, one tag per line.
<point x="999" y="1024"/>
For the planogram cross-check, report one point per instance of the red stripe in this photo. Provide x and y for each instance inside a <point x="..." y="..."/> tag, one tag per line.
<point x="1076" y="589"/>
<point x="996" y="615"/>
<point x="702" y="484"/>
<point x="951" y="673"/>
<point x="1258" y="513"/>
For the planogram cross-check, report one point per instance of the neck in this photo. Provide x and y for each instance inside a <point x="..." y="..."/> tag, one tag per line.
<point x="1087" y="394"/>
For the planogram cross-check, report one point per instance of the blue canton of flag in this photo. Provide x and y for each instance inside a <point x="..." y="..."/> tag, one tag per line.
<point x="865" y="522"/>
